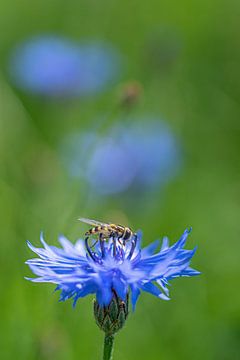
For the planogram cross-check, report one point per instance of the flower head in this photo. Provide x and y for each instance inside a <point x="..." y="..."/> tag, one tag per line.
<point x="147" y="150"/>
<point x="54" y="66"/>
<point x="110" y="267"/>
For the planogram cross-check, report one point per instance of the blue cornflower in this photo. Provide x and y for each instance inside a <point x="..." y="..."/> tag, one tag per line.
<point x="55" y="66"/>
<point x="111" y="269"/>
<point x="147" y="149"/>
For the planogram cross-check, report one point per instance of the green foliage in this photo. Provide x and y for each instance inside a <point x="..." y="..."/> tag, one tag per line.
<point x="197" y="93"/>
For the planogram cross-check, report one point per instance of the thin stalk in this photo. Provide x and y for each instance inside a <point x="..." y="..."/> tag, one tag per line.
<point x="108" y="347"/>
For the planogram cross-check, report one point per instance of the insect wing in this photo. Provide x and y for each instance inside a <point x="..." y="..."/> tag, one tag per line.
<point x="92" y="222"/>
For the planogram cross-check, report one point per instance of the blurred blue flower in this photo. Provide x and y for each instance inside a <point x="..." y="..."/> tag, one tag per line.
<point x="132" y="156"/>
<point x="57" y="66"/>
<point x="80" y="269"/>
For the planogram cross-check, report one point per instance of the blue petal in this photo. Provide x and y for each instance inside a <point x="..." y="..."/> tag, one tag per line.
<point x="135" y="292"/>
<point x="182" y="241"/>
<point x="50" y="250"/>
<point x="150" y="249"/>
<point x="139" y="236"/>
<point x="104" y="296"/>
<point x="184" y="257"/>
<point x="154" y="290"/>
<point x="190" y="272"/>
<point x="120" y="287"/>
<point x="87" y="289"/>
<point x="40" y="252"/>
<point x="186" y="272"/>
<point x="165" y="244"/>
<point x="80" y="247"/>
<point x="161" y="283"/>
<point x="66" y="244"/>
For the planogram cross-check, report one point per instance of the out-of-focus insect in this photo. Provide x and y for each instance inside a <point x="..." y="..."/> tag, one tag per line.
<point x="106" y="231"/>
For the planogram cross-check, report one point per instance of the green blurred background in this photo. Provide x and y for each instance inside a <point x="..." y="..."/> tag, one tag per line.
<point x="198" y="94"/>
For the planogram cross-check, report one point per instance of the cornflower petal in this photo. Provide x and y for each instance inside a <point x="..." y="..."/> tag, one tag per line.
<point x="120" y="287"/>
<point x="165" y="243"/>
<point x="135" y="293"/>
<point x="154" y="290"/>
<point x="150" y="249"/>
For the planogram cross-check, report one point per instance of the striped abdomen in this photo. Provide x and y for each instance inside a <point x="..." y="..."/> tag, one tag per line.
<point x="99" y="230"/>
<point x="119" y="231"/>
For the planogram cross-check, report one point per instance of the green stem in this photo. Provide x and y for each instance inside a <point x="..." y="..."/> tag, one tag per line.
<point x="108" y="347"/>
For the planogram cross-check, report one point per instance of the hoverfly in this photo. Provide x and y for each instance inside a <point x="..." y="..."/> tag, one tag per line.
<point x="105" y="231"/>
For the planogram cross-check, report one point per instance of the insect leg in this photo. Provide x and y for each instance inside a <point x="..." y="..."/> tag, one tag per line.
<point x="88" y="249"/>
<point x="120" y="242"/>
<point x="113" y="235"/>
<point x="134" y="243"/>
<point x="92" y="246"/>
<point x="102" y="244"/>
